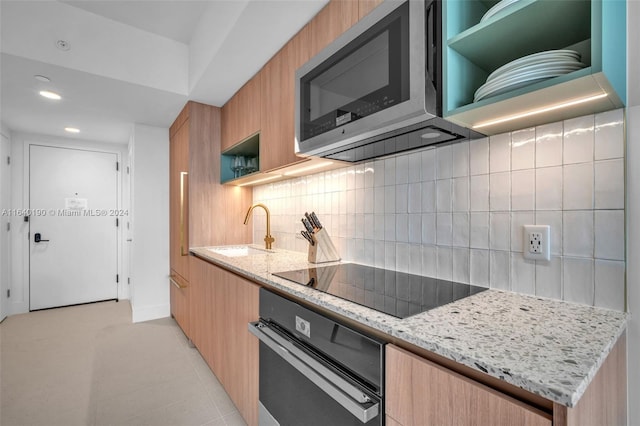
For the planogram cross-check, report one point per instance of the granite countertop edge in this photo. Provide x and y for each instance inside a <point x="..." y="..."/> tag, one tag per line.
<point x="521" y="354"/>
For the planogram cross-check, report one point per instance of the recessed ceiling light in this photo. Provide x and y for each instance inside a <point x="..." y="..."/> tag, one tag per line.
<point x="50" y="95"/>
<point x="71" y="130"/>
<point x="42" y="78"/>
<point x="63" y="45"/>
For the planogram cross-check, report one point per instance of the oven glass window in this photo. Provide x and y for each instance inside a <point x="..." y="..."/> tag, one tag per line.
<point x="368" y="75"/>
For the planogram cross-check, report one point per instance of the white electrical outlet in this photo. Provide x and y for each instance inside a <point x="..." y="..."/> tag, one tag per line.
<point x="537" y="242"/>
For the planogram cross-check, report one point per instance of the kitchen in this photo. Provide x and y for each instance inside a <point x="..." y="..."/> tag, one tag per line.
<point x="393" y="216"/>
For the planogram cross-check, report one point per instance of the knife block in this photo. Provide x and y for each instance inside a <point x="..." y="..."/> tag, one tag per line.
<point x="323" y="250"/>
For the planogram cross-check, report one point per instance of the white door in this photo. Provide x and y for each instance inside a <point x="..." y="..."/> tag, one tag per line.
<point x="73" y="202"/>
<point x="5" y="192"/>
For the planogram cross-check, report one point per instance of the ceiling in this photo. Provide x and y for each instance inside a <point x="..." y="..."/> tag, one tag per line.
<point x="131" y="62"/>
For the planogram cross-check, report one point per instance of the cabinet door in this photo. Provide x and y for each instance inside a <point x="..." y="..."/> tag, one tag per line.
<point x="241" y="114"/>
<point x="277" y="136"/>
<point x="179" y="296"/>
<point x="228" y="304"/>
<point x="178" y="196"/>
<point x="242" y="356"/>
<point x="422" y="393"/>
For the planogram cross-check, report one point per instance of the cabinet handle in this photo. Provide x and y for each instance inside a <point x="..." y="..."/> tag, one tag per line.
<point x="184" y="251"/>
<point x="176" y="283"/>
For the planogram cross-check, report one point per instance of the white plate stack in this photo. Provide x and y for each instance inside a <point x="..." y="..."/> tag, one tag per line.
<point x="497" y="8"/>
<point x="529" y="70"/>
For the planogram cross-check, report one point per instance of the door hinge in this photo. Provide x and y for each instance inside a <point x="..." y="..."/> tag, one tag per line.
<point x="117" y="165"/>
<point x="117" y="278"/>
<point x="117" y="222"/>
<point x="8" y="160"/>
<point x="128" y="280"/>
<point x="8" y="293"/>
<point x="127" y="169"/>
<point x="8" y="226"/>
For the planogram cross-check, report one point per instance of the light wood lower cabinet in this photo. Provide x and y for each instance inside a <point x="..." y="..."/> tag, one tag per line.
<point x="422" y="393"/>
<point x="179" y="296"/>
<point x="222" y="306"/>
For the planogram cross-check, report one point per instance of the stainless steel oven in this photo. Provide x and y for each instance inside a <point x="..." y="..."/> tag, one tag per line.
<point x="314" y="370"/>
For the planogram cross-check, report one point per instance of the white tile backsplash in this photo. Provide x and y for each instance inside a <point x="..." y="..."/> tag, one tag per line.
<point x="609" y="234"/>
<point x="479" y="230"/>
<point x="500" y="191"/>
<point x="460" y="159"/>
<point x="609" y="184"/>
<point x="549" y="278"/>
<point x="479" y="157"/>
<point x="457" y="211"/>
<point x="549" y="145"/>
<point x="444" y="162"/>
<point x="479" y="267"/>
<point x="609" y="135"/>
<point x="578" y="233"/>
<point x="577" y="186"/>
<point x="609" y="284"/>
<point x="523" y="274"/>
<point x="523" y="148"/>
<point x="578" y="280"/>
<point x="460" y="194"/>
<point x="500" y="231"/>
<point x="549" y="188"/>
<point x="500" y="153"/>
<point x="479" y="193"/>
<point x="578" y="140"/>
<point x="523" y="190"/>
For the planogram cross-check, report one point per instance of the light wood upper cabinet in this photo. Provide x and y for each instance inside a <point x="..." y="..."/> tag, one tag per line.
<point x="241" y="114"/>
<point x="366" y="6"/>
<point x="334" y="19"/>
<point x="422" y="393"/>
<point x="277" y="135"/>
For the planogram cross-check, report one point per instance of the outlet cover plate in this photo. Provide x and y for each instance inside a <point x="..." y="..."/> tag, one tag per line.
<point x="537" y="242"/>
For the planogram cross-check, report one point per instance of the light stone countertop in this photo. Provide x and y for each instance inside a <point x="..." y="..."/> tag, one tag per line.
<point x="548" y="347"/>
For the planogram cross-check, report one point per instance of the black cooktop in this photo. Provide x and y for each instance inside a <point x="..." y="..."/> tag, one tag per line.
<point x="395" y="293"/>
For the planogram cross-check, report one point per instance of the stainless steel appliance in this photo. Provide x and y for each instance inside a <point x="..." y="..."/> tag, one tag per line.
<point x="381" y="75"/>
<point x="395" y="293"/>
<point x="314" y="370"/>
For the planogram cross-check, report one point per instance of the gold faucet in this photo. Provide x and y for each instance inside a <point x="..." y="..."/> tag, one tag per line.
<point x="268" y="239"/>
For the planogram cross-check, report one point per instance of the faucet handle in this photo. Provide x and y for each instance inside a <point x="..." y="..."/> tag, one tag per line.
<point x="268" y="240"/>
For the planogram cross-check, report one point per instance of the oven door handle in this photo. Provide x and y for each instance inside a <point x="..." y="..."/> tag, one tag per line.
<point x="343" y="392"/>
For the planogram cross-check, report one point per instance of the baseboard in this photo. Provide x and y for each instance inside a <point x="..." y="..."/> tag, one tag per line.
<point x="148" y="313"/>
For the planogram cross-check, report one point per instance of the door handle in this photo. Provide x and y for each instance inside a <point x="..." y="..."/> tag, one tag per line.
<point x="38" y="238"/>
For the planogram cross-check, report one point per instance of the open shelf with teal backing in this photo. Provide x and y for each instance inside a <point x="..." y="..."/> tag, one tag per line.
<point x="248" y="148"/>
<point x="474" y="49"/>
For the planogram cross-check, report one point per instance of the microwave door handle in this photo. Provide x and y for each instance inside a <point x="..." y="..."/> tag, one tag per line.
<point x="343" y="392"/>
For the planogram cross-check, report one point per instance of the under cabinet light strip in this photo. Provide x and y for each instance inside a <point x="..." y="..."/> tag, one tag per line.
<point x="541" y="110"/>
<point x="253" y="182"/>
<point x="308" y="168"/>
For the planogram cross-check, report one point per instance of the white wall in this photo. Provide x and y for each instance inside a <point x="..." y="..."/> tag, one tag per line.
<point x="5" y="199"/>
<point x="150" y="222"/>
<point x="19" y="273"/>
<point x="633" y="210"/>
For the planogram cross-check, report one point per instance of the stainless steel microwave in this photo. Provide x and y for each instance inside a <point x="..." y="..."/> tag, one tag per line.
<point x="381" y="75"/>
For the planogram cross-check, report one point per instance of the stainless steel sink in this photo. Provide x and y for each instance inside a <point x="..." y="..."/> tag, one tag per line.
<point x="238" y="251"/>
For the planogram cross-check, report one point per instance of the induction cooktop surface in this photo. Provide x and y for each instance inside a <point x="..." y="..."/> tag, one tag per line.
<point x="395" y="293"/>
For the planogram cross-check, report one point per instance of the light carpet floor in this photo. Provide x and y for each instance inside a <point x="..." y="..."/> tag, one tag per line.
<point x="89" y="365"/>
